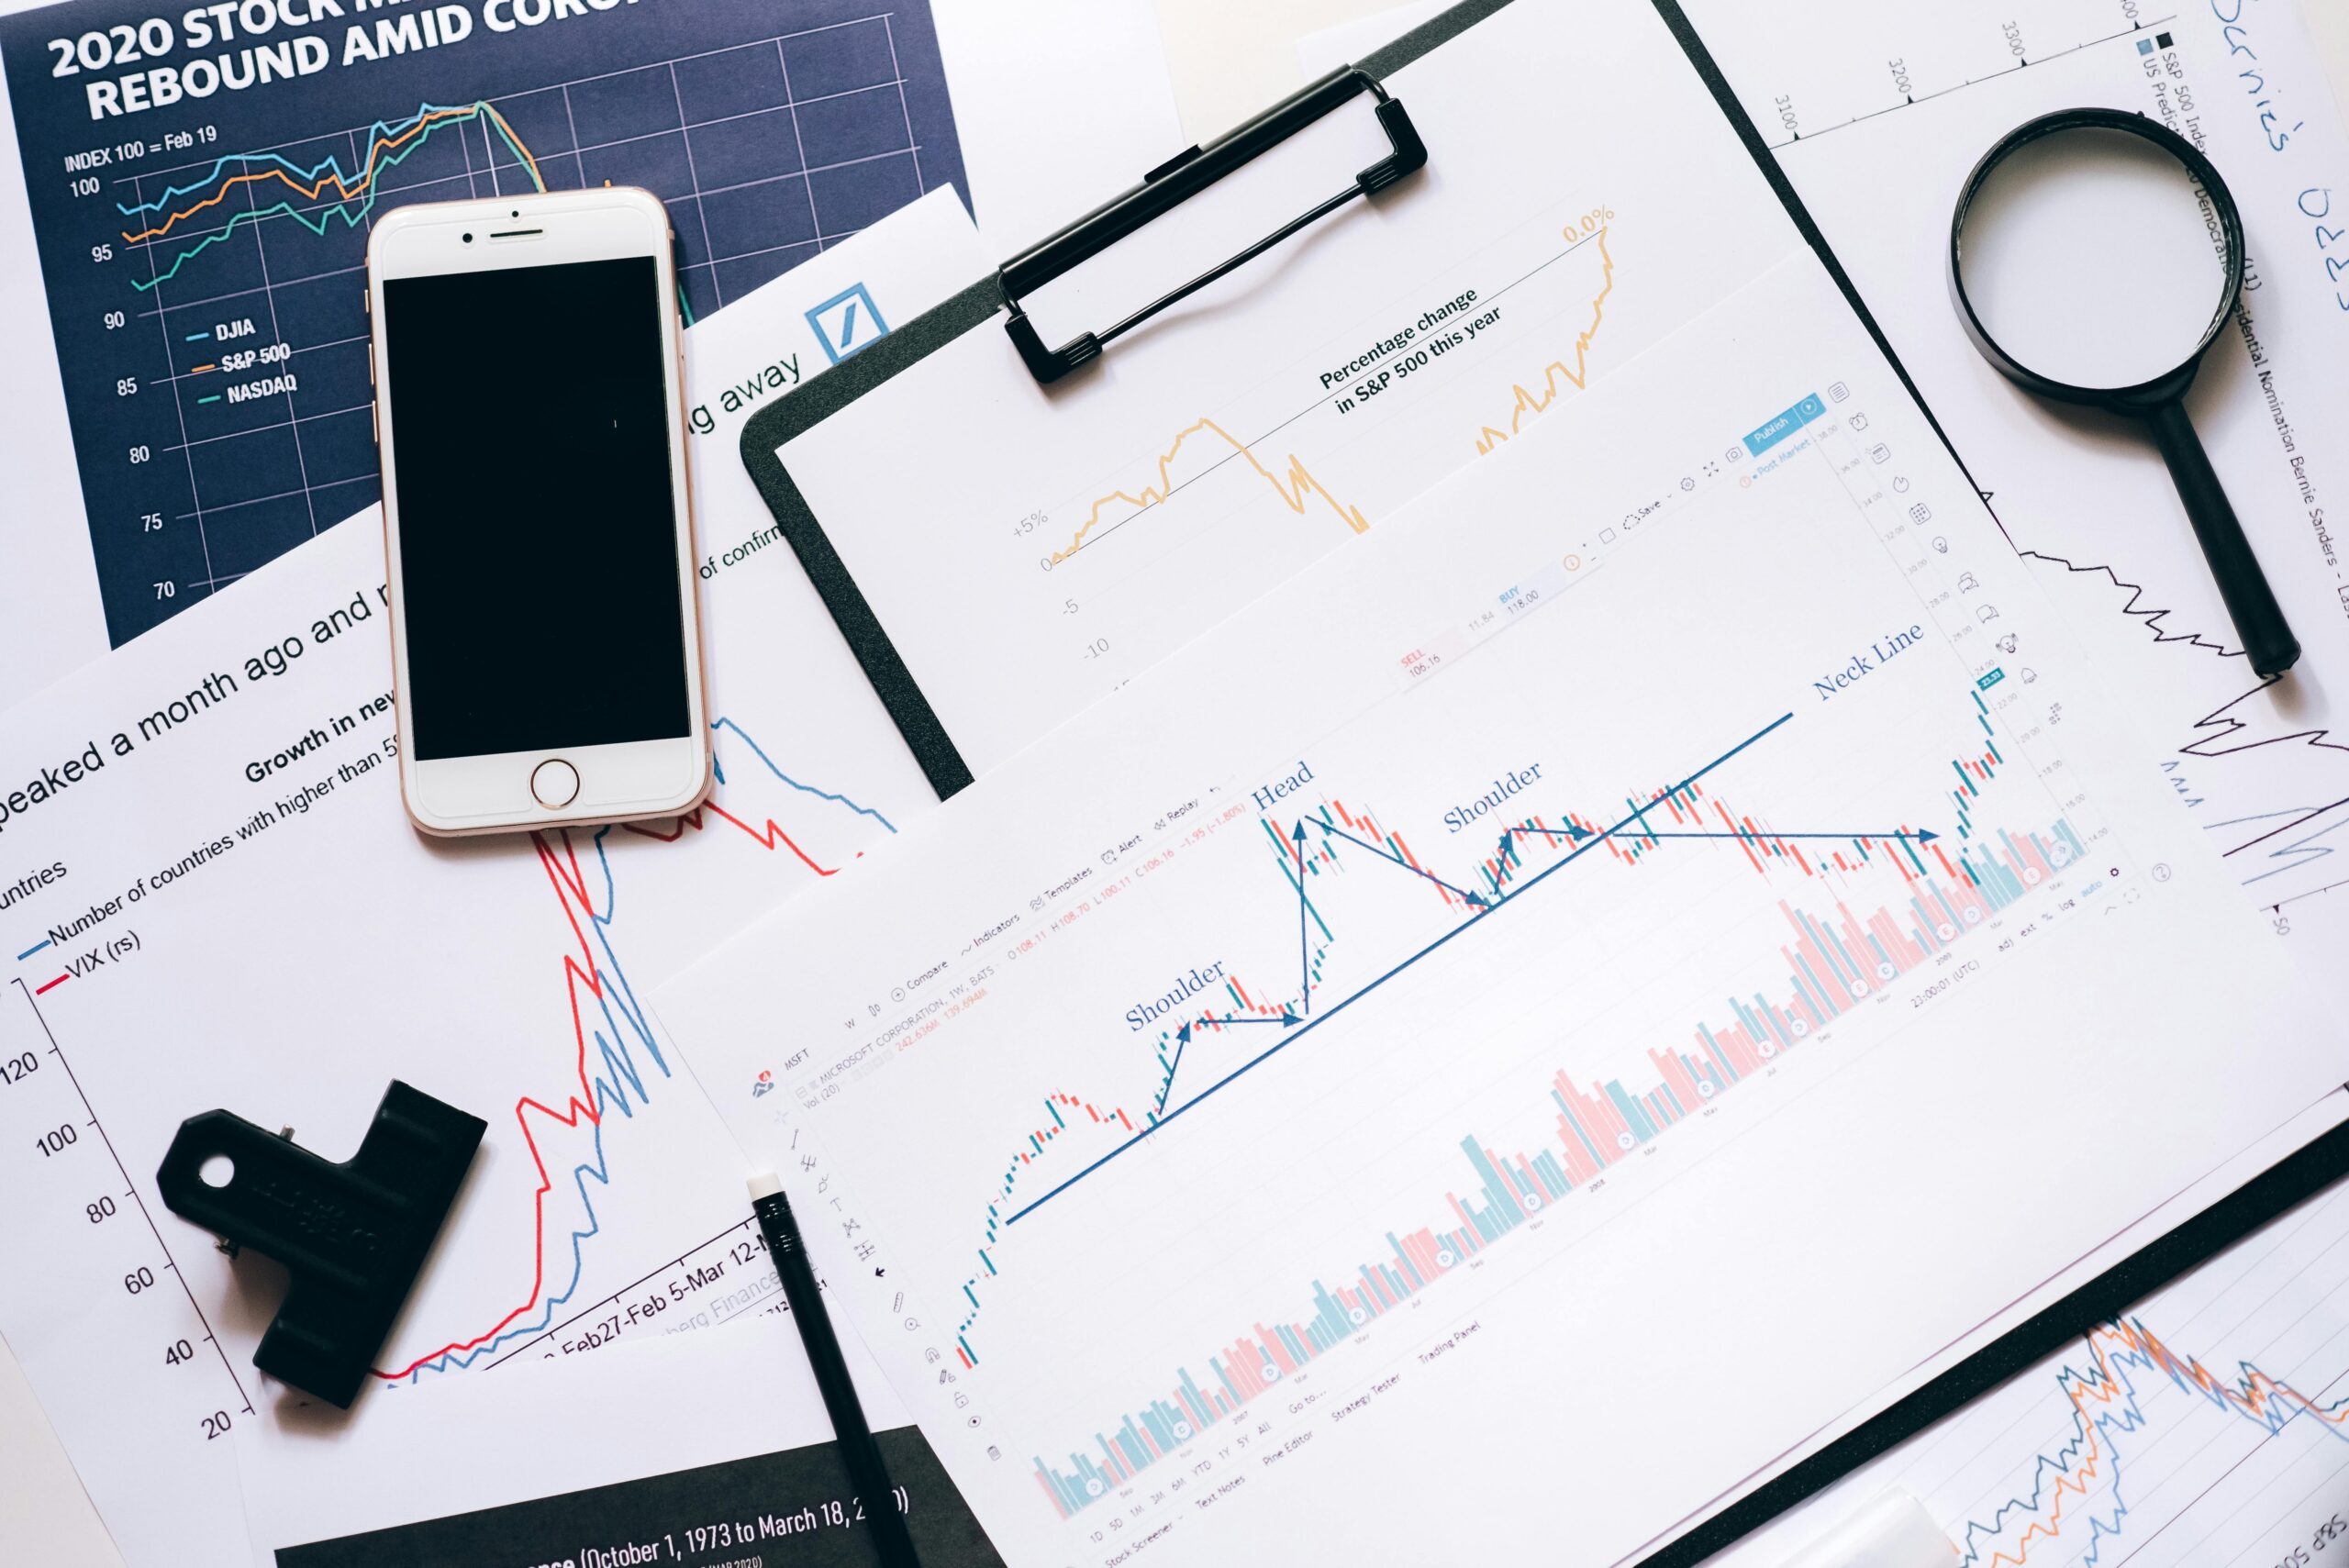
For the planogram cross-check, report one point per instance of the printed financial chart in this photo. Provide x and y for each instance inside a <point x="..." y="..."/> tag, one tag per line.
<point x="2210" y="1426"/>
<point x="1749" y="895"/>
<point x="203" y="206"/>
<point x="1255" y="1118"/>
<point x="580" y="1227"/>
<point x="1303" y="400"/>
<point x="1876" y="109"/>
<point x="1282" y="471"/>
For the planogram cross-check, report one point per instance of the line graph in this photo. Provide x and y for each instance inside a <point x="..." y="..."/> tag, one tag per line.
<point x="769" y="834"/>
<point x="223" y="931"/>
<point x="1558" y="374"/>
<point x="2079" y="1484"/>
<point x="351" y="210"/>
<point x="1290" y="478"/>
<point x="2129" y="1447"/>
<point x="1295" y="485"/>
<point x="204" y="272"/>
<point x="618" y="1061"/>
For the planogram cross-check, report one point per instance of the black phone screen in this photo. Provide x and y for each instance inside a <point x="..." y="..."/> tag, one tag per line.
<point x="538" y="533"/>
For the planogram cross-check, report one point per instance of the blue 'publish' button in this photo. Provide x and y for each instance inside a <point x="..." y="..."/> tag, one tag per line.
<point x="1784" y="424"/>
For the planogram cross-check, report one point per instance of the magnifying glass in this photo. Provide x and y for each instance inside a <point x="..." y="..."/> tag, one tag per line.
<point x="2094" y="256"/>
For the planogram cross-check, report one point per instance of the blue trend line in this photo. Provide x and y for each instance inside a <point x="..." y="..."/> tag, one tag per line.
<point x="1292" y="1037"/>
<point x="1764" y="836"/>
<point x="836" y="799"/>
<point x="45" y="942"/>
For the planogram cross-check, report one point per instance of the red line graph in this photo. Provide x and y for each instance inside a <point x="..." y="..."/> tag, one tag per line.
<point x="570" y="885"/>
<point x="766" y="837"/>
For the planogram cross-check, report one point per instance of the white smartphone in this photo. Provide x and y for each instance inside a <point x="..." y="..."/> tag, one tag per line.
<point x="545" y="643"/>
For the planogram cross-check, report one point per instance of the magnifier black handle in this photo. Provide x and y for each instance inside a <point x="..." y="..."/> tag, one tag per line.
<point x="2268" y="638"/>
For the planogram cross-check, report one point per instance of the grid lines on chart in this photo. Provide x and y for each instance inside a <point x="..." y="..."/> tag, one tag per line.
<point x="766" y="152"/>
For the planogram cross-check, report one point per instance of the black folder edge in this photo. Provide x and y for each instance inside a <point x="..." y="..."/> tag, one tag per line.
<point x="2283" y="1185"/>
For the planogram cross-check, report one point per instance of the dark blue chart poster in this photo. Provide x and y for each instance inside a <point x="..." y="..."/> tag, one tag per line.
<point x="203" y="177"/>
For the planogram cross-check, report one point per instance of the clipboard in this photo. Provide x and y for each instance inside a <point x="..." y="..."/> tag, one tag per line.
<point x="996" y="299"/>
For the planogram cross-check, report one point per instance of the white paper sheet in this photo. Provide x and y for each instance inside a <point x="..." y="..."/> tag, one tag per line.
<point x="328" y="948"/>
<point x="2088" y="503"/>
<point x="1177" y="1100"/>
<point x="1893" y="102"/>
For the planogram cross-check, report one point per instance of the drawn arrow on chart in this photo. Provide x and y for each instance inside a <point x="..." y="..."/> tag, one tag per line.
<point x="1304" y="960"/>
<point x="1385" y="853"/>
<point x="1921" y="836"/>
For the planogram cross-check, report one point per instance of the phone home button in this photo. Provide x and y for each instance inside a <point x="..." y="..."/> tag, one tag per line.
<point x="555" y="783"/>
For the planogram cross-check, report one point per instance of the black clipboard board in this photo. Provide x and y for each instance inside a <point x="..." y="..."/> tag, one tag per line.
<point x="2287" y="1183"/>
<point x="982" y="302"/>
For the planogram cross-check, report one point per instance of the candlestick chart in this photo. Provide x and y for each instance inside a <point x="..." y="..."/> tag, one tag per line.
<point x="1852" y="908"/>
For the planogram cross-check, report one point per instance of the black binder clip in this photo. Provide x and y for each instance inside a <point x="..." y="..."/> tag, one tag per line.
<point x="353" y="1236"/>
<point x="1177" y="179"/>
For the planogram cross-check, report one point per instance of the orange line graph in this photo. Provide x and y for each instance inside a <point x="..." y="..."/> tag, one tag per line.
<point x="1294" y="488"/>
<point x="1297" y="487"/>
<point x="1577" y="376"/>
<point x="311" y="193"/>
<point x="2254" y="1394"/>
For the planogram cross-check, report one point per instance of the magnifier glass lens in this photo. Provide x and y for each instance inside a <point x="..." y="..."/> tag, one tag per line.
<point x="2091" y="258"/>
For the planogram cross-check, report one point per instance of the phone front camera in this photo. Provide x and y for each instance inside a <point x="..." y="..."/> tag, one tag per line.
<point x="469" y="238"/>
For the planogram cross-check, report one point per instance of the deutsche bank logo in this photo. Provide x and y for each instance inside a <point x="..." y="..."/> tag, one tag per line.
<point x="847" y="322"/>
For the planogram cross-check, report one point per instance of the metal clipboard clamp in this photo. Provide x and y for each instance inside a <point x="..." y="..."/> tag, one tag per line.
<point x="1175" y="182"/>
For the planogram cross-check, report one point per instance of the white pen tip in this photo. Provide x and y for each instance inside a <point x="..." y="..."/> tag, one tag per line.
<point x="766" y="1184"/>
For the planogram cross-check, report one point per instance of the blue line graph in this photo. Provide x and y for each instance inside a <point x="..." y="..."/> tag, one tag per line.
<point x="725" y="724"/>
<point x="613" y="1043"/>
<point x="622" y="1083"/>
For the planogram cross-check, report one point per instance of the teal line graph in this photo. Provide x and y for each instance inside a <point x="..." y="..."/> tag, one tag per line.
<point x="428" y="119"/>
<point x="331" y="167"/>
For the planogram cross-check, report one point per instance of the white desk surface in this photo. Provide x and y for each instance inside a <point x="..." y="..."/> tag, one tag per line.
<point x="1228" y="58"/>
